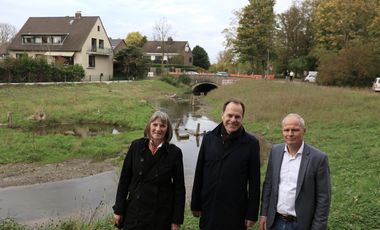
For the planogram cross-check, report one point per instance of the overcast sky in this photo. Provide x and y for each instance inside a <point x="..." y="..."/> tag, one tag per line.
<point x="199" y="22"/>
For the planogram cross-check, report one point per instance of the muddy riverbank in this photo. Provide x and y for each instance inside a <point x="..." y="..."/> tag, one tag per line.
<point x="34" y="173"/>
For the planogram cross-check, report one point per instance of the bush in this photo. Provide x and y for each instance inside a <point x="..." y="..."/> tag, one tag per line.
<point x="27" y="69"/>
<point x="352" y="66"/>
<point x="74" y="72"/>
<point x="176" y="81"/>
<point x="170" y="80"/>
<point x="184" y="79"/>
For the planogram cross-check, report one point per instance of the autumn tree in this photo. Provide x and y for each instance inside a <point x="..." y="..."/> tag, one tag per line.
<point x="347" y="42"/>
<point x="200" y="57"/>
<point x="339" y="22"/>
<point x="355" y="65"/>
<point x="135" y="39"/>
<point x="295" y="37"/>
<point x="254" y="33"/>
<point x="224" y="61"/>
<point x="230" y="34"/>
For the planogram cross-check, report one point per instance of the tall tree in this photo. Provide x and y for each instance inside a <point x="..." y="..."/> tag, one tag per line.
<point x="200" y="57"/>
<point x="295" y="37"/>
<point x="131" y="62"/>
<point x="135" y="39"/>
<point x="162" y="32"/>
<point x="7" y="32"/>
<point x="254" y="42"/>
<point x="230" y="34"/>
<point x="340" y="22"/>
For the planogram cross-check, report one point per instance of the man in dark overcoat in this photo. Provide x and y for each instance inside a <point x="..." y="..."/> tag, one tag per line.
<point x="226" y="189"/>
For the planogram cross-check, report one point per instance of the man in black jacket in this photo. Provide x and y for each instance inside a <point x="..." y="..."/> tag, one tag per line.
<point x="226" y="189"/>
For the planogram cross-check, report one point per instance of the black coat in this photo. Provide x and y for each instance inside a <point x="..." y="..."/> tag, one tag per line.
<point x="226" y="185"/>
<point x="151" y="190"/>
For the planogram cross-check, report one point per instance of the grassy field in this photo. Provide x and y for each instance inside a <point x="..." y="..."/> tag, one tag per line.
<point x="342" y="122"/>
<point x="124" y="104"/>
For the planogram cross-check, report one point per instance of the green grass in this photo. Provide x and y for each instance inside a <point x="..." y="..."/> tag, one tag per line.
<point x="67" y="224"/>
<point x="124" y="104"/>
<point x="343" y="122"/>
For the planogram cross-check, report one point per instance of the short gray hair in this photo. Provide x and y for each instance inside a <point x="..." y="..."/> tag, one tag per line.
<point x="300" y="119"/>
<point x="164" y="117"/>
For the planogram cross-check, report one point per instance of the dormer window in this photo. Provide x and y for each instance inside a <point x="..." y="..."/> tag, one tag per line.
<point x="27" y="39"/>
<point x="43" y="39"/>
<point x="57" y="39"/>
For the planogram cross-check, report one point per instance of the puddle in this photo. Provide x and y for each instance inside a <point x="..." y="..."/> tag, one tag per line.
<point x="80" y="130"/>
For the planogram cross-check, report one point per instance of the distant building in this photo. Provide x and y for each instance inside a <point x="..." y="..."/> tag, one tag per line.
<point x="117" y="45"/>
<point x="172" y="52"/>
<point x="73" y="40"/>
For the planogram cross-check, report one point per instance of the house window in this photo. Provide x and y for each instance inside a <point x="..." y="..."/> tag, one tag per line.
<point x="101" y="44"/>
<point x="57" y="39"/>
<point x="45" y="39"/>
<point x="93" y="44"/>
<point x="91" y="61"/>
<point x="27" y="40"/>
<point x="190" y="60"/>
<point x="38" y="40"/>
<point x="98" y="28"/>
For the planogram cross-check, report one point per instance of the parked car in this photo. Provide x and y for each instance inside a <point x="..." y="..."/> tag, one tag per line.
<point x="222" y="74"/>
<point x="311" y="77"/>
<point x="376" y="85"/>
<point x="191" y="73"/>
<point x="150" y="74"/>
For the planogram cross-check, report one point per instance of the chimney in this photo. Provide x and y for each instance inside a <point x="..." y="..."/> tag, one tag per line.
<point x="78" y="15"/>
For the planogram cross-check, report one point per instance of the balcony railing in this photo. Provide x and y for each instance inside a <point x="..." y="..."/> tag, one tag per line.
<point x="98" y="51"/>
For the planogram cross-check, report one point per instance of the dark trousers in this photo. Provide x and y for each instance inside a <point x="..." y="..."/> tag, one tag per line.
<point x="281" y="224"/>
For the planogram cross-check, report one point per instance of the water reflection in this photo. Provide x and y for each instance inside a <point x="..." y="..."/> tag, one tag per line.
<point x="43" y="203"/>
<point x="186" y="118"/>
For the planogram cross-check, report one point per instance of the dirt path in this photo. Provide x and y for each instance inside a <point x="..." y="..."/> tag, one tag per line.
<point x="23" y="174"/>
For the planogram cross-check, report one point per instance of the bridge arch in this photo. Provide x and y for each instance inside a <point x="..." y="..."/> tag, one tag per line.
<point x="203" y="87"/>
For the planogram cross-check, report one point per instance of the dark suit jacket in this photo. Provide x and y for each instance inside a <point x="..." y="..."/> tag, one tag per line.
<point x="313" y="194"/>
<point x="227" y="181"/>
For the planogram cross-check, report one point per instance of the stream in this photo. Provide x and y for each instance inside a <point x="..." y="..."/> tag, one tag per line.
<point x="93" y="196"/>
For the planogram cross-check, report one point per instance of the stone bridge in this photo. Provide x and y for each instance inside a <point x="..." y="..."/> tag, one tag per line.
<point x="202" y="84"/>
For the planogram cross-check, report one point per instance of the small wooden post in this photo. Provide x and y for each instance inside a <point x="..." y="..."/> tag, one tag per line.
<point x="177" y="124"/>
<point x="9" y="118"/>
<point x="197" y="130"/>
